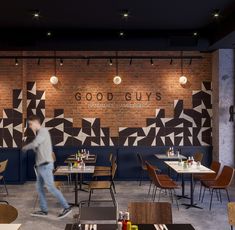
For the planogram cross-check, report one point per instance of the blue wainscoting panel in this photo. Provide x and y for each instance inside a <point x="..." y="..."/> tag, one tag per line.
<point x="20" y="167"/>
<point x="13" y="170"/>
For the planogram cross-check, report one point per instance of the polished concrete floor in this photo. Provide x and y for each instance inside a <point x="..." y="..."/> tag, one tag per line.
<point x="23" y="197"/>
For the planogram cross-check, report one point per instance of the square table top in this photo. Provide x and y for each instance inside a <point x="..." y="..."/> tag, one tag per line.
<point x="192" y="170"/>
<point x="78" y="170"/>
<point x="166" y="157"/>
<point x="10" y="226"/>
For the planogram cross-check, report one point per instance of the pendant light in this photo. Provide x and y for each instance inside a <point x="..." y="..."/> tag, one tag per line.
<point x="182" y="80"/>
<point x="54" y="79"/>
<point x="117" y="79"/>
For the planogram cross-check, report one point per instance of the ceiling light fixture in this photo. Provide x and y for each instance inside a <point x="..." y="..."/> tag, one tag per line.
<point x="182" y="80"/>
<point x="49" y="34"/>
<point x="125" y="14"/>
<point x="121" y="33"/>
<point x="195" y="34"/>
<point x="190" y="61"/>
<point x="130" y="61"/>
<point x="216" y="13"/>
<point x="171" y="62"/>
<point x="54" y="79"/>
<point x="151" y="61"/>
<point x="110" y="62"/>
<point x="117" y="79"/>
<point x="88" y="61"/>
<point x="61" y="62"/>
<point x="39" y="61"/>
<point x="16" y="62"/>
<point x="36" y="14"/>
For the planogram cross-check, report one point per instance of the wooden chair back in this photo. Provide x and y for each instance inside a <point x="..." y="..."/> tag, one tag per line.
<point x="114" y="169"/>
<point x="8" y="213"/>
<point x="3" y="166"/>
<point x="231" y="213"/>
<point x="226" y="177"/>
<point x="150" y="212"/>
<point x="150" y="172"/>
<point x="198" y="157"/>
<point x="215" y="166"/>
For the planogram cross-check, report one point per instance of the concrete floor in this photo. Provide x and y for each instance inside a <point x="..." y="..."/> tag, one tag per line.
<point x="23" y="197"/>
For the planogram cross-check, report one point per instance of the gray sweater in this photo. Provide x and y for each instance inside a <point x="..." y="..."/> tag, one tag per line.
<point x="42" y="146"/>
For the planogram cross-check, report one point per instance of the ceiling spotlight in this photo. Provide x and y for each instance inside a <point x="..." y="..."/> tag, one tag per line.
<point x="54" y="80"/>
<point x="117" y="80"/>
<point x="61" y="62"/>
<point x="49" y="34"/>
<point x="110" y="62"/>
<point x="36" y="14"/>
<point x="121" y="33"/>
<point x="16" y="62"/>
<point x="195" y="34"/>
<point x="125" y="14"/>
<point x="171" y="62"/>
<point x="216" y="13"/>
<point x="39" y="61"/>
<point x="130" y="61"/>
<point x="151" y="61"/>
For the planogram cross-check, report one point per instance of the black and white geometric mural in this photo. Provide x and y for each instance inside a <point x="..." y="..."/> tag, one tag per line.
<point x="188" y="127"/>
<point x="11" y="123"/>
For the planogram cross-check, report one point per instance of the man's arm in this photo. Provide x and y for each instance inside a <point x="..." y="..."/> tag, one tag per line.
<point x="36" y="142"/>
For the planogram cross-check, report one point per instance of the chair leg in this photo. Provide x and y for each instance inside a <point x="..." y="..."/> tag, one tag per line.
<point x="203" y="195"/>
<point x="89" y="197"/>
<point x="114" y="188"/>
<point x="155" y="192"/>
<point x="159" y="196"/>
<point x="176" y="199"/>
<point x="171" y="196"/>
<point x="211" y="198"/>
<point x="141" y="177"/>
<point x="217" y="195"/>
<point x="150" y="185"/>
<point x="113" y="197"/>
<point x="5" y="185"/>
<point x="227" y="195"/>
<point x="220" y="196"/>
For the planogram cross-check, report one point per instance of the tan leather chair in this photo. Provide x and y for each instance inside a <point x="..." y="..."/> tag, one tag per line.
<point x="3" y="166"/>
<point x="223" y="182"/>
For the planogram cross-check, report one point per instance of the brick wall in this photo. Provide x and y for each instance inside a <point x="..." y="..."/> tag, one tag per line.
<point x="140" y="77"/>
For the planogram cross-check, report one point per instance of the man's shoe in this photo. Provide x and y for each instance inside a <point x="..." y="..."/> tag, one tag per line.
<point x="39" y="214"/>
<point x="65" y="213"/>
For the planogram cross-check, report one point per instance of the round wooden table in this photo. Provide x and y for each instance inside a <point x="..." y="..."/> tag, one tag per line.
<point x="7" y="213"/>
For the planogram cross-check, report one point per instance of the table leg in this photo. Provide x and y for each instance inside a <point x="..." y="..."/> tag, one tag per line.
<point x="75" y="192"/>
<point x="82" y="183"/>
<point x="192" y="204"/>
<point x="183" y="188"/>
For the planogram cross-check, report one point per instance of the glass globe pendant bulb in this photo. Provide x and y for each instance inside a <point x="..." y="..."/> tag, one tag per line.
<point x="54" y="80"/>
<point x="183" y="80"/>
<point x="117" y="80"/>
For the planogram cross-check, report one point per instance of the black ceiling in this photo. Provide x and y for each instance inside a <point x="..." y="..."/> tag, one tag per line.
<point x="94" y="25"/>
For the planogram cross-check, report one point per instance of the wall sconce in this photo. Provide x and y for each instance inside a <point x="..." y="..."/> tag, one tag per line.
<point x="117" y="80"/>
<point x="183" y="80"/>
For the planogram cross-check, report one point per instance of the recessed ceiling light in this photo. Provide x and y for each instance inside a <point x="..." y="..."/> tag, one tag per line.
<point x="49" y="33"/>
<point x="121" y="33"/>
<point x="36" y="14"/>
<point x="195" y="34"/>
<point x="216" y="13"/>
<point x="125" y="13"/>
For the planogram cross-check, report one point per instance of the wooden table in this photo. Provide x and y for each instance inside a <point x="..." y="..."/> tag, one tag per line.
<point x="191" y="170"/>
<point x="76" y="171"/>
<point x="140" y="227"/>
<point x="10" y="226"/>
<point x="166" y="157"/>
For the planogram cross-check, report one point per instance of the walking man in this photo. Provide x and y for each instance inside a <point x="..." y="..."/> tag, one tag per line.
<point x="42" y="147"/>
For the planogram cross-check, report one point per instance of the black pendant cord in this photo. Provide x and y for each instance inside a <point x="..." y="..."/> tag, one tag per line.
<point x="55" y="64"/>
<point x="117" y="63"/>
<point x="181" y="55"/>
